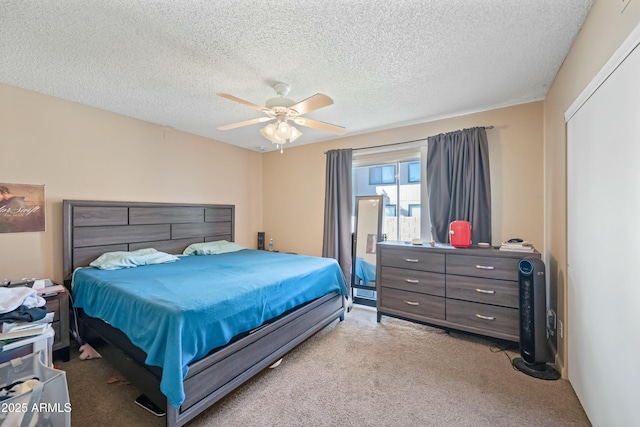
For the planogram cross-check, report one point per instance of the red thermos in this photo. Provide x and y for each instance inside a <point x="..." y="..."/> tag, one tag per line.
<point x="460" y="234"/>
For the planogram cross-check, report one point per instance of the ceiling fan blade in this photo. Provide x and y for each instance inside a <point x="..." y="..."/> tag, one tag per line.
<point x="242" y="101"/>
<point x="245" y="123"/>
<point x="315" y="124"/>
<point x="314" y="102"/>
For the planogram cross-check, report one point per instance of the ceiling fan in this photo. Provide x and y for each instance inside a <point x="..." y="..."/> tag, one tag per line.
<point x="284" y="111"/>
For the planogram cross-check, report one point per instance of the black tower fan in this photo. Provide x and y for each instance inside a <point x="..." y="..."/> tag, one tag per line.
<point x="533" y="325"/>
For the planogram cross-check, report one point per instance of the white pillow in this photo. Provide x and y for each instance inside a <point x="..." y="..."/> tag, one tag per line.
<point x="212" y="248"/>
<point x="121" y="259"/>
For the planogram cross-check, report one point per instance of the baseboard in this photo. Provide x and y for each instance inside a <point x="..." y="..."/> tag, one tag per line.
<point x="560" y="366"/>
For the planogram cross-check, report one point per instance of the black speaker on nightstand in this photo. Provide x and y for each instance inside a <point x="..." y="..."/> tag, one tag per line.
<point x="261" y="240"/>
<point x="533" y="323"/>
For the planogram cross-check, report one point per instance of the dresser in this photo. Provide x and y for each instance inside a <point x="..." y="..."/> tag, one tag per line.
<point x="59" y="305"/>
<point x="473" y="289"/>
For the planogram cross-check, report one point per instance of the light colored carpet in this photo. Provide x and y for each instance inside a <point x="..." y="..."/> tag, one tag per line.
<point x="358" y="373"/>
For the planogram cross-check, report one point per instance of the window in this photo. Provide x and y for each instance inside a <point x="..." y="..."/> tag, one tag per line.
<point x="414" y="210"/>
<point x="390" y="210"/>
<point x="379" y="175"/>
<point x="414" y="171"/>
<point x="400" y="183"/>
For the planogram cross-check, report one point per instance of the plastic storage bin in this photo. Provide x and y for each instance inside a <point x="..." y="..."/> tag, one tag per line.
<point x="46" y="406"/>
<point x="42" y="343"/>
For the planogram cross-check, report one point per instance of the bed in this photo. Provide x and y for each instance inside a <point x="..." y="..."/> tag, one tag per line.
<point x="209" y="365"/>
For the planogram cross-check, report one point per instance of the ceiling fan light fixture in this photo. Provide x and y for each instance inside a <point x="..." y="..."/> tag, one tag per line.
<point x="284" y="130"/>
<point x="295" y="134"/>
<point x="280" y="133"/>
<point x="285" y="114"/>
<point x="268" y="131"/>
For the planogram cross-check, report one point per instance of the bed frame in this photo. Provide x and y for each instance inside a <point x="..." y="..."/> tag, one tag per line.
<point x="94" y="227"/>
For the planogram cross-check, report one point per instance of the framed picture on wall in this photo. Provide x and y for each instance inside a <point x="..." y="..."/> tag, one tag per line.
<point x="21" y="208"/>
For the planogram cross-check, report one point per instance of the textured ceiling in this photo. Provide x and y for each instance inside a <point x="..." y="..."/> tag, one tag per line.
<point x="385" y="63"/>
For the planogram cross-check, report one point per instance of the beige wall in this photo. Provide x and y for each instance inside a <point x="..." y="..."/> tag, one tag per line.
<point x="294" y="181"/>
<point x="79" y="152"/>
<point x="602" y="33"/>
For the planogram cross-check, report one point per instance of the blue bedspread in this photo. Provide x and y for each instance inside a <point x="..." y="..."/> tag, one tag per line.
<point x="365" y="271"/>
<point x="178" y="312"/>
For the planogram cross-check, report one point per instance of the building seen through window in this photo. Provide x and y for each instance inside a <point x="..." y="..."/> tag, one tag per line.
<point x="400" y="185"/>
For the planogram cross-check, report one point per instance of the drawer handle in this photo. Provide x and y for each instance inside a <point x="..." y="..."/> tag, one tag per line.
<point x="485" y="291"/>
<point x="412" y="303"/>
<point x="485" y="267"/>
<point x="412" y="281"/>
<point x="485" y="317"/>
<point x="411" y="260"/>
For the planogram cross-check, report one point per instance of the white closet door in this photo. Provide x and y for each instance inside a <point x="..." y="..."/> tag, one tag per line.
<point x="603" y="226"/>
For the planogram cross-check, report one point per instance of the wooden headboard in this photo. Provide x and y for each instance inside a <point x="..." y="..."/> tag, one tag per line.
<point x="92" y="228"/>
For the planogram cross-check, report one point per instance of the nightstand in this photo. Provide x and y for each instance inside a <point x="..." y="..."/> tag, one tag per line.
<point x="59" y="305"/>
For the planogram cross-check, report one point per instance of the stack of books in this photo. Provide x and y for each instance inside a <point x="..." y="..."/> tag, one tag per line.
<point x="517" y="245"/>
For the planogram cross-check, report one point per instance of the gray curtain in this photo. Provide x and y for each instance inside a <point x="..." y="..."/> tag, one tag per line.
<point x="336" y="241"/>
<point x="458" y="183"/>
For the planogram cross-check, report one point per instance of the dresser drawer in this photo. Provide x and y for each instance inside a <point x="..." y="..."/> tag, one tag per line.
<point x="413" y="280"/>
<point x="53" y="305"/>
<point x="412" y="303"/>
<point x="488" y="291"/>
<point x="480" y="266"/>
<point x="491" y="318"/>
<point x="58" y="304"/>
<point x="413" y="259"/>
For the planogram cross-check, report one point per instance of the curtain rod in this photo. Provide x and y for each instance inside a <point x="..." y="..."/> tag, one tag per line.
<point x="403" y="142"/>
<point x="388" y="145"/>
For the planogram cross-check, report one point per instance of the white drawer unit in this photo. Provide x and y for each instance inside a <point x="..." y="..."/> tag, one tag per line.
<point x="42" y="344"/>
